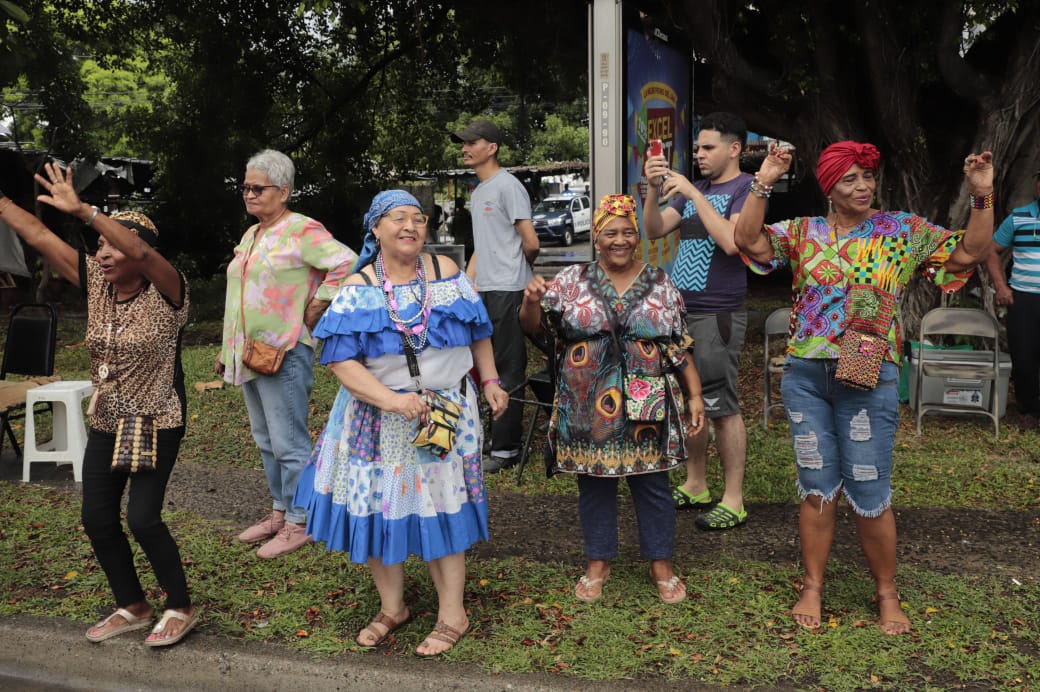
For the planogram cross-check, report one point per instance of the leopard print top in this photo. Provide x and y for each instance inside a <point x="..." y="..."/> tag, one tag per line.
<point x="139" y="341"/>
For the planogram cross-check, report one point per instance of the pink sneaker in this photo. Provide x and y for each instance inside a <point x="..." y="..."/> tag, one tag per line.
<point x="291" y="537"/>
<point x="264" y="529"/>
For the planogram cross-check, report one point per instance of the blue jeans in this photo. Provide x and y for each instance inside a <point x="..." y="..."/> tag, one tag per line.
<point x="278" y="406"/>
<point x="655" y="514"/>
<point x="843" y="437"/>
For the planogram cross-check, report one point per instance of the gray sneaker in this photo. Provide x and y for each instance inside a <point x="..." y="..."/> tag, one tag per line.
<point x="495" y="463"/>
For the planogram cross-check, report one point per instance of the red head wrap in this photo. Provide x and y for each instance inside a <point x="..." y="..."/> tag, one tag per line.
<point x="836" y="160"/>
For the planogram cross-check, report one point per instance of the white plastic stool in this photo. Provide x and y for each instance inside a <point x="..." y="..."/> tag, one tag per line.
<point x="69" y="441"/>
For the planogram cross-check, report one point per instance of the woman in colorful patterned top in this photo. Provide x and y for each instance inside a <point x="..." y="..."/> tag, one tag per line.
<point x="369" y="490"/>
<point x="850" y="268"/>
<point x="285" y="270"/>
<point x="618" y="324"/>
<point x="137" y="305"/>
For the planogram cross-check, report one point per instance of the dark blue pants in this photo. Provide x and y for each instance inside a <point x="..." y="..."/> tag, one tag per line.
<point x="655" y="514"/>
<point x="1023" y="328"/>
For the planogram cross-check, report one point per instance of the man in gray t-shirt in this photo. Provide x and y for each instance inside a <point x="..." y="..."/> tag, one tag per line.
<point x="505" y="247"/>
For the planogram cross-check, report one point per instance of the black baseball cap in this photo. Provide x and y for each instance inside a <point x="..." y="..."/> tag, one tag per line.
<point x="479" y="129"/>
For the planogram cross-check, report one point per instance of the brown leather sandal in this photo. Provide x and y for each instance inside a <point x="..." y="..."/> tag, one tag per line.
<point x="815" y="613"/>
<point x="386" y="621"/>
<point x="444" y="632"/>
<point x="893" y="623"/>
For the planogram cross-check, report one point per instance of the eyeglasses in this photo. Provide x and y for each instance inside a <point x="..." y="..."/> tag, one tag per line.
<point x="402" y="219"/>
<point x="255" y="190"/>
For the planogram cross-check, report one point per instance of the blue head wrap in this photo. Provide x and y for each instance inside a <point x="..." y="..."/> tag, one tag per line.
<point x="381" y="204"/>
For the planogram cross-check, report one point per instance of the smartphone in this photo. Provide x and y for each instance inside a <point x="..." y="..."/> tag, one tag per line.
<point x="657" y="149"/>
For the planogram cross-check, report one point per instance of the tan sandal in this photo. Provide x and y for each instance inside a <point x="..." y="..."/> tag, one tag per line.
<point x="132" y="624"/>
<point x="443" y="632"/>
<point x="809" y="612"/>
<point x="671" y="590"/>
<point x="893" y="624"/>
<point x="155" y="638"/>
<point x="386" y="621"/>
<point x="592" y="588"/>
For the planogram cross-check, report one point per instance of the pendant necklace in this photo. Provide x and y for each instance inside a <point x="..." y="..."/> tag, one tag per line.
<point x="413" y="329"/>
<point x="103" y="371"/>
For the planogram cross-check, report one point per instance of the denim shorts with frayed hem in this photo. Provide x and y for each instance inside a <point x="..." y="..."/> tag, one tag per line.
<point x="843" y="437"/>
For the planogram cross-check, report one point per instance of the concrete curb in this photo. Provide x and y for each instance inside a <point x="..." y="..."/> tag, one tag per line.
<point x="51" y="653"/>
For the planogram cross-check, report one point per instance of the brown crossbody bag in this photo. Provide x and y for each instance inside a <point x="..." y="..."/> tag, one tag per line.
<point x="260" y="357"/>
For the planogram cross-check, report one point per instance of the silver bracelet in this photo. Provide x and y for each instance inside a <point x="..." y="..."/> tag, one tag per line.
<point x="90" y="221"/>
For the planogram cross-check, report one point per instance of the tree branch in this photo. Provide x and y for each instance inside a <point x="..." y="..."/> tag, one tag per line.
<point x="960" y="77"/>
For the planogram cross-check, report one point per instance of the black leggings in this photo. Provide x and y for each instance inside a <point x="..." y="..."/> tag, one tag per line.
<point x="102" y="500"/>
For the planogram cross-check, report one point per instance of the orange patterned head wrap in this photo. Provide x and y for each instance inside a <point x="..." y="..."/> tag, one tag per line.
<point x="837" y="159"/>
<point x="611" y="206"/>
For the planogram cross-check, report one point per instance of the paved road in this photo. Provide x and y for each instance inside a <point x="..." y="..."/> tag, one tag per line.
<point x="554" y="257"/>
<point x="52" y="654"/>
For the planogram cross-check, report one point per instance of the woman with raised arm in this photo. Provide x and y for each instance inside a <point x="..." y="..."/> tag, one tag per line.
<point x="839" y="387"/>
<point x="137" y="306"/>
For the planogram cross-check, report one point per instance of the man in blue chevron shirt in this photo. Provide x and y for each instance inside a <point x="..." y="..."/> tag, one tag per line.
<point x="713" y="281"/>
<point x="1020" y="231"/>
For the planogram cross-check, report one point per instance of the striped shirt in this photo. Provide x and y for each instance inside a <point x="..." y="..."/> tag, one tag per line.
<point x="1021" y="232"/>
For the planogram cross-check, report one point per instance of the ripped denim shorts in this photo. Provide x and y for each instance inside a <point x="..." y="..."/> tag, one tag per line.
<point x="843" y="438"/>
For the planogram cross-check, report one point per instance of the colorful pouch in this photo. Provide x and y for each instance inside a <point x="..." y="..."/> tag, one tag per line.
<point x="860" y="359"/>
<point x="437" y="428"/>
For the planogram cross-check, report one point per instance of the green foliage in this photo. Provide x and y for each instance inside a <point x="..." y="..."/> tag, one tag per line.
<point x="732" y="631"/>
<point x="360" y="95"/>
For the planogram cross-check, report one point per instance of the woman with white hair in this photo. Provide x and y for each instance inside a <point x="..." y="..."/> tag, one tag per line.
<point x="286" y="269"/>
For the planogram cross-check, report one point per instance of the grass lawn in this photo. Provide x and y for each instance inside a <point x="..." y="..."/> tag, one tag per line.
<point x="970" y="630"/>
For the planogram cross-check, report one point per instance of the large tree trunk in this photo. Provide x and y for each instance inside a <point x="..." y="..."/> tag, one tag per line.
<point x="892" y="72"/>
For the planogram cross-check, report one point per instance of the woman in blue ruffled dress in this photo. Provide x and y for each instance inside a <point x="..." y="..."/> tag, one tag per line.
<point x="369" y="490"/>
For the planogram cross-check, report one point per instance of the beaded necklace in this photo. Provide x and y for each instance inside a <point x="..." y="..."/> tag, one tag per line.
<point x="413" y="329"/>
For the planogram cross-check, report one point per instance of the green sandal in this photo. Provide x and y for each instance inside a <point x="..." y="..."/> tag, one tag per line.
<point x="684" y="500"/>
<point x="721" y="517"/>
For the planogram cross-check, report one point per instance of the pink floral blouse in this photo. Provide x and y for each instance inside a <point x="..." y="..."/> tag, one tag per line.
<point x="292" y="262"/>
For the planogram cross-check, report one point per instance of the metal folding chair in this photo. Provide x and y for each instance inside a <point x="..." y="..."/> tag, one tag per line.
<point x="943" y="322"/>
<point x="542" y="385"/>
<point x="777" y="323"/>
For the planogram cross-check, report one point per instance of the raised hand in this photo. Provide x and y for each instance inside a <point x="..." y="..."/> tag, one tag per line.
<point x="775" y="165"/>
<point x="656" y="168"/>
<point x="62" y="194"/>
<point x="978" y="172"/>
<point x="536" y="289"/>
